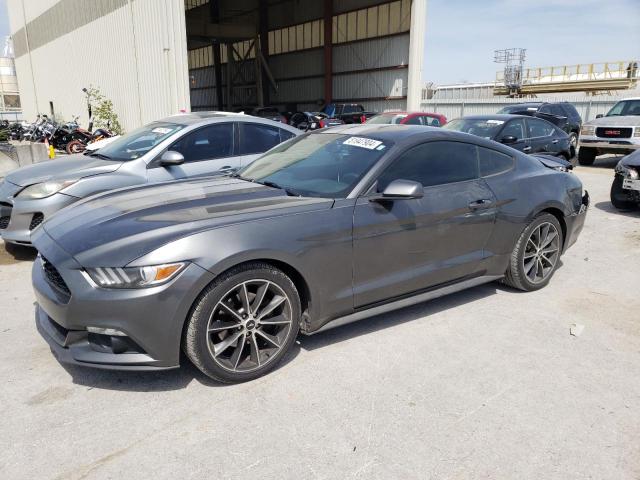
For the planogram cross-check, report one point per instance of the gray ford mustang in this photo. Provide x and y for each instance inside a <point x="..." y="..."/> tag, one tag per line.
<point x="330" y="227"/>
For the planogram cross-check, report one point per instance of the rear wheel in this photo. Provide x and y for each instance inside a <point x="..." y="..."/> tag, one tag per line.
<point x="586" y="155"/>
<point x="536" y="255"/>
<point x="243" y="324"/>
<point x="619" y="197"/>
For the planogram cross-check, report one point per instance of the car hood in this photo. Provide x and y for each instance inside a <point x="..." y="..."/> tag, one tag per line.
<point x="70" y="168"/>
<point x="632" y="160"/>
<point x="615" y="121"/>
<point x="125" y="224"/>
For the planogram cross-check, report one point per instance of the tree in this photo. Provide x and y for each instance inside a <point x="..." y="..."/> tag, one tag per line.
<point x="104" y="115"/>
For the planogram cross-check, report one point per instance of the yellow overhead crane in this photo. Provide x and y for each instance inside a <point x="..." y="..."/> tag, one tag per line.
<point x="591" y="78"/>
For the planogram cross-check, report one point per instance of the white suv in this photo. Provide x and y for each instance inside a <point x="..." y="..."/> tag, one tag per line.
<point x="616" y="132"/>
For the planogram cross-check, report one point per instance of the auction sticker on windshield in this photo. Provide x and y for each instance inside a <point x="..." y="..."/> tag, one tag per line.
<point x="362" y="142"/>
<point x="161" y="130"/>
<point x="496" y="122"/>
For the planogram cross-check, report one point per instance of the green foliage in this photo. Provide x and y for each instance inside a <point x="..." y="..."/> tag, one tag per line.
<point x="104" y="115"/>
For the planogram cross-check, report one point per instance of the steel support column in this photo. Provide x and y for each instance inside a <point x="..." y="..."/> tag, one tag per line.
<point x="328" y="51"/>
<point x="416" y="53"/>
<point x="214" y="14"/>
<point x="263" y="31"/>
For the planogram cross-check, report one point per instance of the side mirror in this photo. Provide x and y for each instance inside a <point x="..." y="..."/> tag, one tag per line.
<point x="171" y="158"/>
<point x="401" y="190"/>
<point x="599" y="115"/>
<point x="507" y="139"/>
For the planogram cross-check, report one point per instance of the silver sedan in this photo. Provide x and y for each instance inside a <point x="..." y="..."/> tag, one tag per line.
<point x="175" y="147"/>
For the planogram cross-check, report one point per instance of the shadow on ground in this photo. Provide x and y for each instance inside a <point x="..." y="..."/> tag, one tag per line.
<point x="609" y="208"/>
<point x="181" y="377"/>
<point x="10" y="254"/>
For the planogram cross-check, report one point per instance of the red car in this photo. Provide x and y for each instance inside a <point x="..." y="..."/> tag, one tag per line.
<point x="409" y="118"/>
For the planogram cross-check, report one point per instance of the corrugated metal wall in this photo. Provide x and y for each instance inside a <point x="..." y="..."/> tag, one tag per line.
<point x="135" y="53"/>
<point x="588" y="107"/>
<point x="370" y="56"/>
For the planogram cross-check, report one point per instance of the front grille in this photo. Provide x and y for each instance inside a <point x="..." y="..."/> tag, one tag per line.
<point x="613" y="132"/>
<point x="54" y="278"/>
<point x="36" y="220"/>
<point x="4" y="222"/>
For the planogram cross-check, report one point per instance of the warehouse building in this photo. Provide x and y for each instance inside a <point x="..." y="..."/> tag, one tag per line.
<point x="153" y="58"/>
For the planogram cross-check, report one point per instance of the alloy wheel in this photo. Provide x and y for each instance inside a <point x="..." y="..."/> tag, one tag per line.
<point x="249" y="326"/>
<point x="541" y="253"/>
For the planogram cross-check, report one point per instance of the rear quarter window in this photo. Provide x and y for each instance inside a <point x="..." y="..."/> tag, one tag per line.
<point x="493" y="162"/>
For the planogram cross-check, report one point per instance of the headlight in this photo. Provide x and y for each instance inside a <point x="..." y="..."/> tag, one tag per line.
<point x="627" y="172"/>
<point x="636" y="132"/>
<point x="135" y="277"/>
<point x="43" y="190"/>
<point x="588" y="130"/>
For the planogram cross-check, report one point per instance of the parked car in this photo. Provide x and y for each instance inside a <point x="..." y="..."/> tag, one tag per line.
<point x="175" y="147"/>
<point x="334" y="226"/>
<point x="561" y="114"/>
<point x="409" y="118"/>
<point x="625" y="189"/>
<point x="616" y="132"/>
<point x="312" y="121"/>
<point x="347" y="112"/>
<point x="270" y="113"/>
<point x="527" y="134"/>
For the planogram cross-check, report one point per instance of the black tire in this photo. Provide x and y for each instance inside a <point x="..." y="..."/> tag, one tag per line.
<point x="517" y="275"/>
<point x="75" y="146"/>
<point x="197" y="339"/>
<point x="586" y="156"/>
<point x="619" y="197"/>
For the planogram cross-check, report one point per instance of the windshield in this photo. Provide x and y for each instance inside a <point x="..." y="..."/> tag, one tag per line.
<point x="486" y="128"/>
<point x="135" y="144"/>
<point x="317" y="165"/>
<point x="625" y="107"/>
<point x="387" y="118"/>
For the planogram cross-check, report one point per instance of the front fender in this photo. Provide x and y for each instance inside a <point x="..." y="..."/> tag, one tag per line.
<point x="88" y="186"/>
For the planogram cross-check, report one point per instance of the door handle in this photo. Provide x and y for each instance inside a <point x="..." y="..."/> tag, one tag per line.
<point x="480" y="204"/>
<point x="555" y="141"/>
<point x="526" y="149"/>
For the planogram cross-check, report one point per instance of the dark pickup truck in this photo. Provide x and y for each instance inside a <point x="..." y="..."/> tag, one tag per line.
<point x="347" y="112"/>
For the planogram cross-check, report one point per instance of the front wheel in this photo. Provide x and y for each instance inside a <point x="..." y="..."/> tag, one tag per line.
<point x="75" y="146"/>
<point x="243" y="324"/>
<point x="586" y="156"/>
<point x="536" y="255"/>
<point x="619" y="197"/>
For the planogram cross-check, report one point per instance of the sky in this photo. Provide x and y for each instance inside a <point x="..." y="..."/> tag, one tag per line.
<point x="462" y="35"/>
<point x="4" y="20"/>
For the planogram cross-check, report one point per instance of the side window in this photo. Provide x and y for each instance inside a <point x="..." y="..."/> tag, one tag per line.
<point x="539" y="128"/>
<point x="492" y="162"/>
<point x="545" y="109"/>
<point x="285" y="135"/>
<point x="348" y="109"/>
<point x="433" y="163"/>
<point x="213" y="141"/>
<point x="432" y="121"/>
<point x="417" y="120"/>
<point x="257" y="138"/>
<point x="557" y="110"/>
<point x="572" y="113"/>
<point x="514" y="128"/>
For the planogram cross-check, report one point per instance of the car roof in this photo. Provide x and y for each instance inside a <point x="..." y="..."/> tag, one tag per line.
<point x="495" y="116"/>
<point x="196" y="117"/>
<point x="206" y="118"/>
<point x="394" y="132"/>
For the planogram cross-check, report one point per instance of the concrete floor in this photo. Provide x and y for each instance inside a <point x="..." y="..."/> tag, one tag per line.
<point x="487" y="383"/>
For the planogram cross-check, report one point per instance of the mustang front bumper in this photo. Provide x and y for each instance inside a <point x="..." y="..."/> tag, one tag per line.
<point x="148" y="321"/>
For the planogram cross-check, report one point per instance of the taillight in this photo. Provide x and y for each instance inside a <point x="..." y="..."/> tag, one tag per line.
<point x="322" y="124"/>
<point x="363" y="119"/>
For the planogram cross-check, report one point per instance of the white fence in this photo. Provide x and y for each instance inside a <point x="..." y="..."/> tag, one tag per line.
<point x="588" y="107"/>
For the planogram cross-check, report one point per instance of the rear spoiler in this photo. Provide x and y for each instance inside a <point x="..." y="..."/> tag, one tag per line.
<point x="555" y="163"/>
